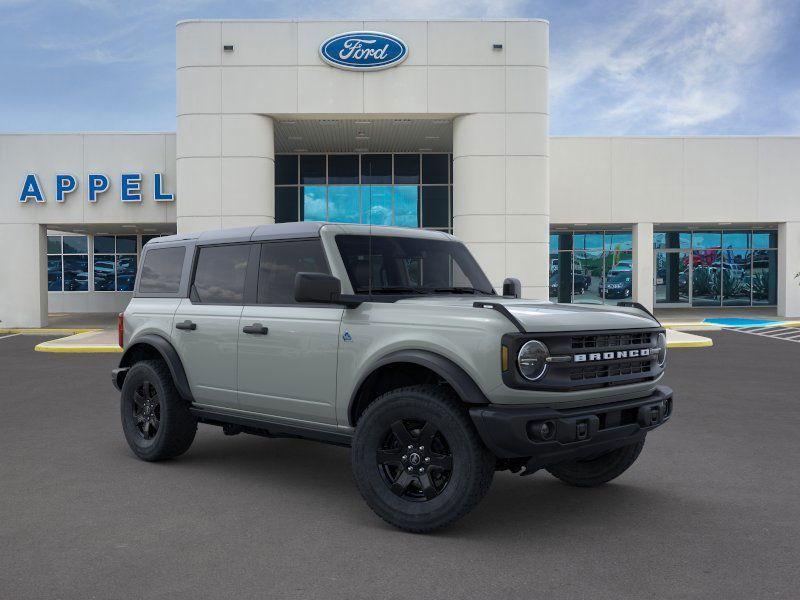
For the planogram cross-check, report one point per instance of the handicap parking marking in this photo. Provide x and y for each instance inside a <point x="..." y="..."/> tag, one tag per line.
<point x="789" y="334"/>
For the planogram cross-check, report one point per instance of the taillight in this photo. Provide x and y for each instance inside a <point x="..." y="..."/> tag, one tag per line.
<point x="120" y="327"/>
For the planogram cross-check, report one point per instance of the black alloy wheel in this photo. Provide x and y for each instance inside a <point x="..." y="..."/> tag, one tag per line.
<point x="156" y="421"/>
<point x="146" y="409"/>
<point x="414" y="460"/>
<point x="418" y="460"/>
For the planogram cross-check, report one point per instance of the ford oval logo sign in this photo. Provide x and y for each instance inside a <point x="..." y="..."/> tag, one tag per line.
<point x="363" y="50"/>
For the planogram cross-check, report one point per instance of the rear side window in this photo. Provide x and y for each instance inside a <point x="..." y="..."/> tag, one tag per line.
<point x="220" y="274"/>
<point x="161" y="271"/>
<point x="280" y="262"/>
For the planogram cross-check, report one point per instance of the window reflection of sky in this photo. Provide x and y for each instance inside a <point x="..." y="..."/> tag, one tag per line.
<point x="314" y="203"/>
<point x="343" y="204"/>
<point x="375" y="204"/>
<point x="406" y="205"/>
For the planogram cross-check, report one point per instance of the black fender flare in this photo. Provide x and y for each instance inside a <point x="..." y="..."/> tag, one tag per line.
<point x="168" y="354"/>
<point x="458" y="378"/>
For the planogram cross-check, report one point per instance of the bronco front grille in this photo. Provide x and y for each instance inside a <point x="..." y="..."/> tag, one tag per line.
<point x="601" y="371"/>
<point x="603" y="359"/>
<point x="611" y="340"/>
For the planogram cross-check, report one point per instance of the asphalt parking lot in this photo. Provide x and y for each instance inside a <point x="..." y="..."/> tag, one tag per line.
<point x="710" y="510"/>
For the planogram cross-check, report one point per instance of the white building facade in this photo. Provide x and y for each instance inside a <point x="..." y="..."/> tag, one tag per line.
<point x="443" y="126"/>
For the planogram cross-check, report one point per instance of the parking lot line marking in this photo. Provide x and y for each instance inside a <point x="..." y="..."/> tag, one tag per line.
<point x="2" y="337"/>
<point x="789" y="334"/>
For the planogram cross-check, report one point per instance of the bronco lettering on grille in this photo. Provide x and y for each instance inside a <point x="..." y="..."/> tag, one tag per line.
<point x="595" y="356"/>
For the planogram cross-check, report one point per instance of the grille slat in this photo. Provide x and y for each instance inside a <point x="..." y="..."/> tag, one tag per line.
<point x="601" y="371"/>
<point x="610" y="340"/>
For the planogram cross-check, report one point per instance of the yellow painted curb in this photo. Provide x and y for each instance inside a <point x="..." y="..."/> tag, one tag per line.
<point x="697" y="326"/>
<point x="46" y="331"/>
<point x="62" y="349"/>
<point x="704" y="343"/>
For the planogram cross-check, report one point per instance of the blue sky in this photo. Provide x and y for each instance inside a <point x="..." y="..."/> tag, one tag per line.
<point x="617" y="67"/>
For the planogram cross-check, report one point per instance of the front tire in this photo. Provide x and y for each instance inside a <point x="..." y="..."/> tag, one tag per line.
<point x="155" y="420"/>
<point x="417" y="459"/>
<point x="597" y="470"/>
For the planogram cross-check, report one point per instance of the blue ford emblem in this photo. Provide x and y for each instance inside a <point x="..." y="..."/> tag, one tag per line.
<point x="363" y="50"/>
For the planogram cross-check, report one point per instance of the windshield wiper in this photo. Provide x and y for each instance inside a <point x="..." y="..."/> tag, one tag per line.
<point x="461" y="290"/>
<point x="398" y="289"/>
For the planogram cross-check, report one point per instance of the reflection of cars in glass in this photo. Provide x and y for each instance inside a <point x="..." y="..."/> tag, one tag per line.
<point x="78" y="282"/>
<point x="624" y="265"/>
<point x="553" y="265"/>
<point x="554" y="284"/>
<point x="617" y="285"/>
<point x="582" y="280"/>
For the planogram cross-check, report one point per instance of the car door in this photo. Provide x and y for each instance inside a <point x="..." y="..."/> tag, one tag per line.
<point x="288" y="351"/>
<point x="206" y="325"/>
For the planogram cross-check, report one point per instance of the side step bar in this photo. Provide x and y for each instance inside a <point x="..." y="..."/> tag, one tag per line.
<point x="266" y="428"/>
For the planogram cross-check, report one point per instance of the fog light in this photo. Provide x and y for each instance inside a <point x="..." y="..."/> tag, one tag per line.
<point x="544" y="430"/>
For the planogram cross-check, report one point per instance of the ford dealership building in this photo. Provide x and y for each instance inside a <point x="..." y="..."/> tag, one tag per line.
<point x="434" y="124"/>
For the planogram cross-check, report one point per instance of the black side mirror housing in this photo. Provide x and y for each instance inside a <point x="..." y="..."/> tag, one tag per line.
<point x="322" y="288"/>
<point x="512" y="287"/>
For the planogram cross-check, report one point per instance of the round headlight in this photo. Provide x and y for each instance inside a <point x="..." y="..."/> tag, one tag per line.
<point x="531" y="360"/>
<point x="662" y="349"/>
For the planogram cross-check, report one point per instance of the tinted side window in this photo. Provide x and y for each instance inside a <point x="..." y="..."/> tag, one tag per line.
<point x="220" y="274"/>
<point x="280" y="262"/>
<point x="161" y="271"/>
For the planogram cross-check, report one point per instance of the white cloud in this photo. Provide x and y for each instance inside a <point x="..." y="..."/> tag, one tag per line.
<point x="409" y="9"/>
<point x="670" y="68"/>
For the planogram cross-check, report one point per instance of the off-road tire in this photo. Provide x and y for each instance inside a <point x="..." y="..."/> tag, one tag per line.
<point x="599" y="470"/>
<point x="176" y="425"/>
<point x="472" y="465"/>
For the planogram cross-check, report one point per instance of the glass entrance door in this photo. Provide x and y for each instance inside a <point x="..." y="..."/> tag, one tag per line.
<point x="673" y="278"/>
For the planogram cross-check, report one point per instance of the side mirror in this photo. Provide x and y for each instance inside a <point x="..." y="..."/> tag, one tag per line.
<point x="512" y="287"/>
<point x="317" y="287"/>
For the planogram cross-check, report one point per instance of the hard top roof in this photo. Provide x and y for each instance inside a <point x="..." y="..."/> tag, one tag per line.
<point x="302" y="229"/>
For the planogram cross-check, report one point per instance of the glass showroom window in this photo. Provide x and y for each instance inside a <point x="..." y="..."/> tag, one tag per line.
<point x="406" y="190"/>
<point x="716" y="267"/>
<point x="67" y="263"/>
<point x="114" y="263"/>
<point x="591" y="267"/>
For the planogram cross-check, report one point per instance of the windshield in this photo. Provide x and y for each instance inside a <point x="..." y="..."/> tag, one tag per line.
<point x="409" y="265"/>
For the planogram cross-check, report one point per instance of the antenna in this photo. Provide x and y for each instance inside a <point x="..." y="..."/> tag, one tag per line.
<point x="369" y="236"/>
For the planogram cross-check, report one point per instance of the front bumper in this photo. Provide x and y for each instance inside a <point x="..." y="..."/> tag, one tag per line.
<point x="515" y="431"/>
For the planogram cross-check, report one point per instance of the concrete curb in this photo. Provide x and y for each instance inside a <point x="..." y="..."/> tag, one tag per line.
<point x="96" y="341"/>
<point x="98" y="349"/>
<point x="703" y="343"/>
<point x="681" y="339"/>
<point x="46" y="331"/>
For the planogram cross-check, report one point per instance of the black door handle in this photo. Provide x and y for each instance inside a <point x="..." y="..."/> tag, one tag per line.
<point x="256" y="328"/>
<point x="187" y="325"/>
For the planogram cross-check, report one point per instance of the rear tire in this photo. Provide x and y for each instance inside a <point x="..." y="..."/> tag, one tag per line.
<point x="599" y="470"/>
<point x="155" y="420"/>
<point x="418" y="460"/>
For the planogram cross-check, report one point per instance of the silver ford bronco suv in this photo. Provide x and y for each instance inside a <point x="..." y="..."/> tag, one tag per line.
<point x="390" y="341"/>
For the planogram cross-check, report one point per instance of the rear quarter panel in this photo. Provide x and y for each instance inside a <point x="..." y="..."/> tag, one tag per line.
<point x="149" y="315"/>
